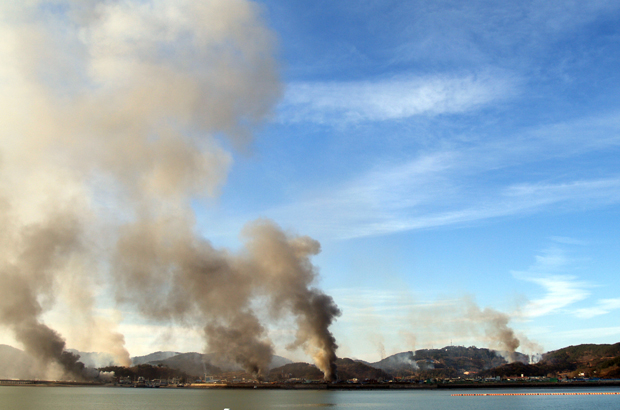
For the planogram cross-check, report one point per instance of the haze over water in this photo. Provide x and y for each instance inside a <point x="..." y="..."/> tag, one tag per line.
<point x="97" y="398"/>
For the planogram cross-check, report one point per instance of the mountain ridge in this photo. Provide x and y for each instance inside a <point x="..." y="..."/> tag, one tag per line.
<point x="585" y="360"/>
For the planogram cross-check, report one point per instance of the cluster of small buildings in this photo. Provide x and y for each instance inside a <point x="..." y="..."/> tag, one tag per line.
<point x="142" y="382"/>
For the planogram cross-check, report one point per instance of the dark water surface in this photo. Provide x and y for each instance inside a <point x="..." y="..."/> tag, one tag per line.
<point x="110" y="398"/>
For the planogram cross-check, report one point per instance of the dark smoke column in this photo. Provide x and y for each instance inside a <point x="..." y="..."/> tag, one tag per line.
<point x="173" y="274"/>
<point x="315" y="319"/>
<point x="28" y="277"/>
<point x="284" y="262"/>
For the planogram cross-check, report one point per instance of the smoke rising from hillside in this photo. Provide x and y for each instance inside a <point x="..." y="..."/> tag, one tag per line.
<point x="442" y="323"/>
<point x="113" y="115"/>
<point x="494" y="324"/>
<point x="183" y="278"/>
<point x="32" y="256"/>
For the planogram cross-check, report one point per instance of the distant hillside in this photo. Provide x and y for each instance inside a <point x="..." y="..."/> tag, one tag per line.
<point x="198" y="364"/>
<point x="398" y="363"/>
<point x="296" y="371"/>
<point x="585" y="354"/>
<point x="152" y="357"/>
<point x="450" y="361"/>
<point x="277" y="361"/>
<point x="16" y="364"/>
<point x="350" y="369"/>
<point x="189" y="363"/>
<point x="347" y="369"/>
<point x="591" y="360"/>
<point x="587" y="360"/>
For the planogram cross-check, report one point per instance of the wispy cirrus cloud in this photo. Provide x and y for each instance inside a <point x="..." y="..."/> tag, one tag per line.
<point x="372" y="208"/>
<point x="459" y="184"/>
<point x="560" y="289"/>
<point x="551" y="271"/>
<point x="390" y="99"/>
<point x="567" y="240"/>
<point x="603" y="307"/>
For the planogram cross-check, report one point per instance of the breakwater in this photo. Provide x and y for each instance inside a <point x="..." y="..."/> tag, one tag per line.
<point x="540" y="394"/>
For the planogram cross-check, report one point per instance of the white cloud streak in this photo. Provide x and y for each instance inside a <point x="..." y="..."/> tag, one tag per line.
<point x="391" y="99"/>
<point x="373" y="208"/>
<point x="561" y="290"/>
<point x="455" y="186"/>
<point x="603" y="307"/>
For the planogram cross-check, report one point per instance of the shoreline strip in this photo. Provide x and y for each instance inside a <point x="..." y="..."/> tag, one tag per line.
<point x="537" y="394"/>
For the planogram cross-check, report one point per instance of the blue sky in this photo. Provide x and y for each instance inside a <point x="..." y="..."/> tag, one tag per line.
<point x="442" y="151"/>
<point x="457" y="161"/>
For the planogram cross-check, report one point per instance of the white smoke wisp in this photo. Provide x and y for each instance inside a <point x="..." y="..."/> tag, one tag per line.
<point x="115" y="116"/>
<point x="462" y="320"/>
<point x="533" y="350"/>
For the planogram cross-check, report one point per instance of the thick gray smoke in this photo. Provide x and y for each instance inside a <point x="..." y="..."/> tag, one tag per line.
<point x="33" y="254"/>
<point x="114" y="115"/>
<point x="182" y="277"/>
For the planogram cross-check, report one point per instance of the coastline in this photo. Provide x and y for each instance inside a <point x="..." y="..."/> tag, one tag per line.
<point x="333" y="386"/>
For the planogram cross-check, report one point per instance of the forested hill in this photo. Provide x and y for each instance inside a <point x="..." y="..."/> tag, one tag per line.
<point x="449" y="361"/>
<point x="583" y="354"/>
<point x="587" y="360"/>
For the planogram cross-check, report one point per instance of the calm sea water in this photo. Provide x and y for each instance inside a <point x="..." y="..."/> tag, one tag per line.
<point x="109" y="398"/>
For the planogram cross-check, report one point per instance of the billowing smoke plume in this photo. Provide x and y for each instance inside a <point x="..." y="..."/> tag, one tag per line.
<point x="182" y="277"/>
<point x="459" y="320"/>
<point x="494" y="324"/>
<point x="32" y="255"/>
<point x="114" y="115"/>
